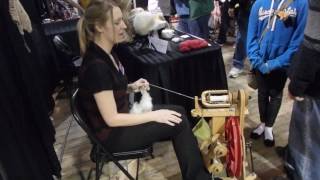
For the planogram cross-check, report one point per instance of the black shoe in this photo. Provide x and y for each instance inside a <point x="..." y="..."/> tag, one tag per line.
<point x="254" y="135"/>
<point x="269" y="143"/>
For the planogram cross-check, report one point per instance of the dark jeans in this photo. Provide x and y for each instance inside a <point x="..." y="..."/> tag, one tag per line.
<point x="304" y="139"/>
<point x="222" y="37"/>
<point x="184" y="143"/>
<point x="199" y="27"/>
<point x="184" y="24"/>
<point x="270" y="87"/>
<point x="241" y="52"/>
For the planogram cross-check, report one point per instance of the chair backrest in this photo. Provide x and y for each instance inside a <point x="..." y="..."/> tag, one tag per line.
<point x="79" y="117"/>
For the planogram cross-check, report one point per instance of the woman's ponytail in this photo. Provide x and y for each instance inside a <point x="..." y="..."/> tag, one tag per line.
<point x="96" y="13"/>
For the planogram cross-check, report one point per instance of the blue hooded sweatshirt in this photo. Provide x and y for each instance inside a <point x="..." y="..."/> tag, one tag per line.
<point x="274" y="49"/>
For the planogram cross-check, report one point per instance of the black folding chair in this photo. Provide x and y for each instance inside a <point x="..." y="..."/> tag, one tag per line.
<point x="99" y="153"/>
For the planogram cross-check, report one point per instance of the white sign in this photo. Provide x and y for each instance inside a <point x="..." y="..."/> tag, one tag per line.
<point x="159" y="44"/>
<point x="153" y="7"/>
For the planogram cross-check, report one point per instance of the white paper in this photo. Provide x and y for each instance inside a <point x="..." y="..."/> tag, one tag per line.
<point x="153" y="7"/>
<point x="159" y="44"/>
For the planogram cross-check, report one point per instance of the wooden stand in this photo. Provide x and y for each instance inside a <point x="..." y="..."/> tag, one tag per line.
<point x="215" y="150"/>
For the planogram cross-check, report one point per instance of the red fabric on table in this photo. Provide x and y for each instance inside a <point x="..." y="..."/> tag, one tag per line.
<point x="193" y="44"/>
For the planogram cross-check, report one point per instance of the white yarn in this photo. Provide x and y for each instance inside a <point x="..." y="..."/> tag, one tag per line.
<point x="145" y="104"/>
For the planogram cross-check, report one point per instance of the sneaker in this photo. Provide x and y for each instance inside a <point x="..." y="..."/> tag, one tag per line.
<point x="235" y="72"/>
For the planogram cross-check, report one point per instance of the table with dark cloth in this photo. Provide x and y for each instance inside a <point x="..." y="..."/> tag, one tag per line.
<point x="188" y="73"/>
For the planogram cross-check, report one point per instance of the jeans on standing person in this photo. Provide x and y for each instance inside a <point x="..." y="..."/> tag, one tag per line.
<point x="222" y="37"/>
<point x="184" y="24"/>
<point x="304" y="140"/>
<point x="241" y="42"/>
<point x="270" y="92"/>
<point x="199" y="27"/>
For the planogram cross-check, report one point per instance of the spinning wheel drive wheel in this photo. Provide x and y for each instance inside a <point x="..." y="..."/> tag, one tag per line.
<point x="235" y="155"/>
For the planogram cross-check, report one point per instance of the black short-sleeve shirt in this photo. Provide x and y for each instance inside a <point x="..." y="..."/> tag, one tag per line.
<point x="97" y="73"/>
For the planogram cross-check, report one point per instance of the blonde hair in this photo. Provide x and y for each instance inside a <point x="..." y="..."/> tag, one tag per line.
<point x="95" y="14"/>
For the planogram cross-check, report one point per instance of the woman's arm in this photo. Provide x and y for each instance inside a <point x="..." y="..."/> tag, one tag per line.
<point x="285" y="58"/>
<point x="108" y="109"/>
<point x="253" y="37"/>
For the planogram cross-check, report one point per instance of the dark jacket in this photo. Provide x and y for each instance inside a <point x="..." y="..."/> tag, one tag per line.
<point x="305" y="69"/>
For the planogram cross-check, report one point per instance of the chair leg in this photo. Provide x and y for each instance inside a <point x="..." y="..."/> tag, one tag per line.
<point x="89" y="174"/>
<point x="100" y="168"/>
<point x="97" y="170"/>
<point x="138" y="164"/>
<point x="98" y="164"/>
<point x="122" y="169"/>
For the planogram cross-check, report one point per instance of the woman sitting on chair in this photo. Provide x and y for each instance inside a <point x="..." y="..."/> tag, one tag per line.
<point x="103" y="93"/>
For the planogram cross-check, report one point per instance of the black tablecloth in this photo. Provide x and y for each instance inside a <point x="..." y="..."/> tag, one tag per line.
<point x="188" y="73"/>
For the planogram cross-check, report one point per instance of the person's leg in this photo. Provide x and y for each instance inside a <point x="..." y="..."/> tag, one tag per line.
<point x="273" y="106"/>
<point x="263" y="101"/>
<point x="276" y="82"/>
<point x="263" y="96"/>
<point x="194" y="27"/>
<point x="222" y="37"/>
<point x="183" y="24"/>
<point x="184" y="143"/>
<point x="240" y="51"/>
<point x="203" y="26"/>
<point x="304" y="139"/>
<point x="237" y="62"/>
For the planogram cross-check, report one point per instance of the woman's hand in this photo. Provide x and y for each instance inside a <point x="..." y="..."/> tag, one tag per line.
<point x="166" y="116"/>
<point x="140" y="84"/>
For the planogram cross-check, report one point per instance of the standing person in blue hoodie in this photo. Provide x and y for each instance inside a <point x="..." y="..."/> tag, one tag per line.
<point x="275" y="32"/>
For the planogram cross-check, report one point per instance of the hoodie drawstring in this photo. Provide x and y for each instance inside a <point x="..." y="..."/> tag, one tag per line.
<point x="270" y="14"/>
<point x="275" y="18"/>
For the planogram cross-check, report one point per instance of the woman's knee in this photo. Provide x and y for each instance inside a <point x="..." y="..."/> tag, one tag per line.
<point x="178" y="109"/>
<point x="181" y="110"/>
